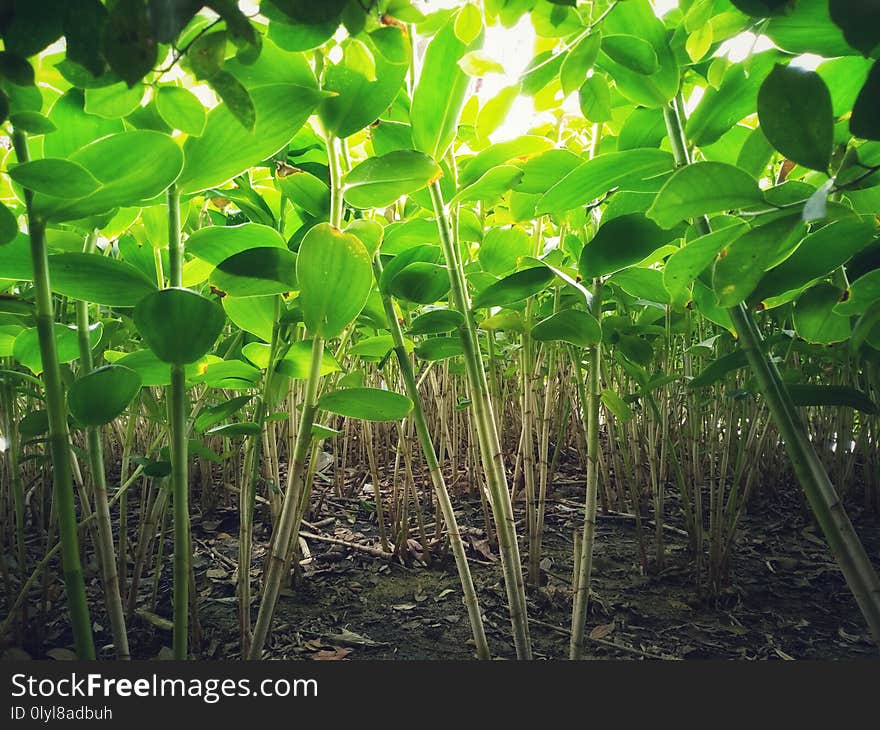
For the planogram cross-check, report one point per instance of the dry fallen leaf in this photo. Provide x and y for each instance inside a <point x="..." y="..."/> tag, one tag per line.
<point x="602" y="631"/>
<point x="334" y="654"/>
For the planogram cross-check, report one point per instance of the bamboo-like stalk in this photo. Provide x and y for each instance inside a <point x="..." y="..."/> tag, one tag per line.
<point x="104" y="545"/>
<point x="437" y="480"/>
<point x="828" y="509"/>
<point x="590" y="404"/>
<point x="177" y="418"/>
<point x="487" y="435"/>
<point x="59" y="437"/>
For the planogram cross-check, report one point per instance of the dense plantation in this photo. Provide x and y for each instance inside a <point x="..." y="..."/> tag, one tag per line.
<point x="304" y="353"/>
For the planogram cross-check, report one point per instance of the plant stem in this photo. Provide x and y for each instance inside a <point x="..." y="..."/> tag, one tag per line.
<point x="590" y="404"/>
<point x="59" y="437"/>
<point x="177" y="416"/>
<point x="860" y="575"/>
<point x="439" y="483"/>
<point x="105" y="546"/>
<point x="487" y="435"/>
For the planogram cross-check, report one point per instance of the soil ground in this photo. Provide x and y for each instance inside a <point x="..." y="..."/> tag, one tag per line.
<point x="785" y="598"/>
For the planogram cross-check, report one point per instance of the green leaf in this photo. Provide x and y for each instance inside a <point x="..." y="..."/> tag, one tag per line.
<point x="435" y="349"/>
<point x="631" y="52"/>
<point x="491" y="186"/>
<point x="129" y="47"/>
<point x="257" y="272"/>
<point x="441" y="91"/>
<point x="596" y="177"/>
<point x="501" y="249"/>
<point x="61" y="178"/>
<point x="226" y="149"/>
<point x="235" y="430"/>
<point x="701" y="188"/>
<point x="335" y="276"/>
<point x="617" y="405"/>
<point x="92" y="277"/>
<point x="744" y="261"/>
<point x="570" y="325"/>
<point x="795" y="112"/>
<point x="26" y="348"/>
<point x="212" y="415"/>
<point x="197" y="322"/>
<point x="865" y="325"/>
<point x="619" y="243"/>
<point x="154" y="372"/>
<point x="421" y="282"/>
<point x="215" y="244"/>
<point x="379" y="181"/>
<point x="518" y="150"/>
<point x="305" y="190"/>
<point x="102" y="395"/>
<point x="860" y="22"/>
<point x="865" y="119"/>
<point x="815" y="319"/>
<point x="236" y="98"/>
<point x="8" y="225"/>
<point x="514" y="288"/>
<point x="808" y="30"/>
<point x="818" y="255"/>
<point x="578" y="62"/>
<point x="368" y="404"/>
<point x="437" y="321"/>
<point x="114" y="101"/>
<point x="862" y="293"/>
<point x="375" y="347"/>
<point x="425" y="252"/>
<point x="685" y="265"/>
<point x="719" y="368"/>
<point x="644" y="284"/>
<point x="806" y="394"/>
<point x="131" y="166"/>
<point x="358" y="101"/>
<point x="33" y="123"/>
<point x="181" y="109"/>
<point x="296" y="362"/>
<point x="594" y="98"/>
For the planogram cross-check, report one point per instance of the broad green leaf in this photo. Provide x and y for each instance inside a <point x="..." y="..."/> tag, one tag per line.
<point x="435" y="349"/>
<point x="421" y="282"/>
<point x="521" y="149"/>
<point x="441" y="90"/>
<point x="619" y="243"/>
<point x="197" y="322"/>
<point x="808" y="29"/>
<point x="357" y="101"/>
<point x="228" y="374"/>
<point x="368" y="404"/>
<point x="719" y="368"/>
<point x="795" y="112"/>
<point x="375" y="347"/>
<point x="865" y="119"/>
<point x="867" y="324"/>
<point x="379" y="181"/>
<point x="543" y="171"/>
<point x="578" y="62"/>
<point x="862" y="293"/>
<point x="335" y="276"/>
<point x="114" y="101"/>
<point x="859" y="21"/>
<point x="437" y="321"/>
<point x="596" y="177"/>
<point x="181" y="109"/>
<point x="235" y="430"/>
<point x="631" y="52"/>
<point x="58" y="177"/>
<point x="96" y="278"/>
<point x="154" y="372"/>
<point x="818" y="255"/>
<point x="744" y="261"/>
<point x="815" y="319"/>
<point x="226" y="149"/>
<point x="102" y="395"/>
<point x="720" y="109"/>
<point x="256" y="272"/>
<point x="131" y="166"/>
<point x="305" y="190"/>
<point x="594" y="98"/>
<point x="8" y="225"/>
<point x="425" y="252"/>
<point x="215" y="244"/>
<point x="617" y="405"/>
<point x="684" y="266"/>
<point x="641" y="283"/>
<point x="252" y="314"/>
<point x="514" y="288"/>
<point x="570" y="325"/>
<point x="701" y="188"/>
<point x="26" y="348"/>
<point x="212" y="415"/>
<point x="490" y="186"/>
<point x="502" y="248"/>
<point x="402" y="235"/>
<point x="75" y="128"/>
<point x="808" y="394"/>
